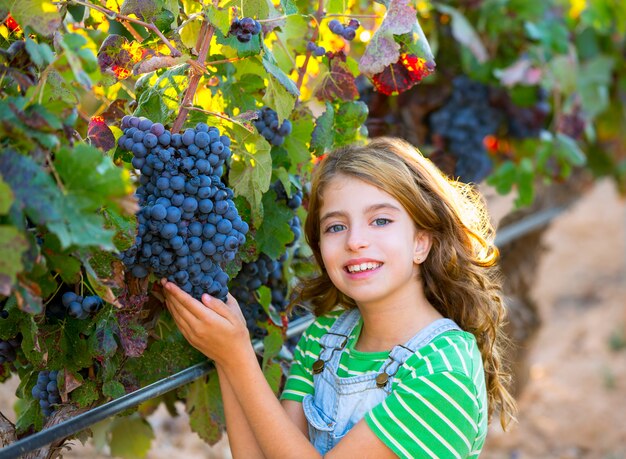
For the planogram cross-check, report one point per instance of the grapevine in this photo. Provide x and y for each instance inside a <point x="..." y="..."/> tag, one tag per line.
<point x="142" y="140"/>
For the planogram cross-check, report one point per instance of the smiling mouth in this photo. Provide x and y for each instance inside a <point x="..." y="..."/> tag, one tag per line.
<point x="362" y="267"/>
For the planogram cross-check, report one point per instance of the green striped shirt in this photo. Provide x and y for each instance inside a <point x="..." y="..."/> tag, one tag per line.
<point x="438" y="407"/>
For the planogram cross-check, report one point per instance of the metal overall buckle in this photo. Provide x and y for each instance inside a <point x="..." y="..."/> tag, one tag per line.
<point x="318" y="365"/>
<point x="383" y="377"/>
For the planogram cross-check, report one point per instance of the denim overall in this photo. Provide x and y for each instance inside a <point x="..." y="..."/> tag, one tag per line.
<point x="337" y="404"/>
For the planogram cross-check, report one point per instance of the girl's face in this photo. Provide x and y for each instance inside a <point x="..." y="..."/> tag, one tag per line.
<point x="368" y="242"/>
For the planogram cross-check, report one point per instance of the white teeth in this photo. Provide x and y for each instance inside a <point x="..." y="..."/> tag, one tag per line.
<point x="363" y="267"/>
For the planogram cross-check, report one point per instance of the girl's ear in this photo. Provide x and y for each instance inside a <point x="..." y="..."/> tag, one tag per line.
<point x="423" y="243"/>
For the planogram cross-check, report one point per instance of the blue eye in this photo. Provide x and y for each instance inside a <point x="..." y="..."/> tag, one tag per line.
<point x="382" y="221"/>
<point x="334" y="228"/>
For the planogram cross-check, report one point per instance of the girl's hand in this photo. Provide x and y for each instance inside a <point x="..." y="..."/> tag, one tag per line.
<point x="215" y="328"/>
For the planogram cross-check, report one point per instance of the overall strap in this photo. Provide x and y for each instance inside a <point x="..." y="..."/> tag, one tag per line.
<point x="400" y="353"/>
<point x="336" y="339"/>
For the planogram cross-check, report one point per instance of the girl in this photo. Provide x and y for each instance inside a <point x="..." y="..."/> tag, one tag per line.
<point x="404" y="356"/>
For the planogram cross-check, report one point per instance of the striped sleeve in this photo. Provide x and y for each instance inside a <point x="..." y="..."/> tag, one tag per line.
<point x="300" y="380"/>
<point x="434" y="415"/>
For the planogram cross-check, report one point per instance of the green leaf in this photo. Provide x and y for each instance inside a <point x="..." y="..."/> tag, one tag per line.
<point x="42" y="15"/>
<point x="79" y="228"/>
<point x="270" y="66"/>
<point x="503" y="178"/>
<point x="297" y="143"/>
<point x="323" y="135"/>
<point x="143" y="9"/>
<point x="131" y="437"/>
<point x="594" y="80"/>
<point x="251" y="168"/>
<point x="87" y="173"/>
<point x="272" y="343"/>
<point x="525" y="181"/>
<point x="86" y="394"/>
<point x="40" y="53"/>
<point x="29" y="414"/>
<point x="12" y="245"/>
<point x="113" y="389"/>
<point x="35" y="191"/>
<point x="274" y="233"/>
<point x="205" y="408"/>
<point x="273" y="374"/>
<point x="218" y="17"/>
<point x="464" y="33"/>
<point x="349" y="118"/>
<point x="6" y="197"/>
<point x="568" y="149"/>
<point x="279" y="98"/>
<point x="250" y="48"/>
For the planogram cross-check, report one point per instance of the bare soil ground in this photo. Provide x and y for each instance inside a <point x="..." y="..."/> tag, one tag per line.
<point x="574" y="404"/>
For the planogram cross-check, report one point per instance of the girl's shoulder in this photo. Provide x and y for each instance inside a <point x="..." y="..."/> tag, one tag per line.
<point x="322" y="324"/>
<point x="454" y="351"/>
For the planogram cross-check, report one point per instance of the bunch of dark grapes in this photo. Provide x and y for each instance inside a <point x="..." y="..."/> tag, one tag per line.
<point x="347" y="31"/>
<point x="463" y="123"/>
<point x="244" y="286"/>
<point x="268" y="126"/>
<point x="244" y="29"/>
<point x="188" y="225"/>
<point x="315" y="49"/>
<point x="76" y="306"/>
<point x="47" y="391"/>
<point x="523" y="122"/>
<point x="8" y="349"/>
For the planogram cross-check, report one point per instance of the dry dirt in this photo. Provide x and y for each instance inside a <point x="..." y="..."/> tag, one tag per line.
<point x="574" y="405"/>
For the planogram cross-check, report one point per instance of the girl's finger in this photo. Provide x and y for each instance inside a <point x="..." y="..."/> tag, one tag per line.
<point x="218" y="306"/>
<point x="184" y="300"/>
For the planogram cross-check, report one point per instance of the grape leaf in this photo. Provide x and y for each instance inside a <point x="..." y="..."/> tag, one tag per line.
<point x="134" y="446"/>
<point x="273" y="373"/>
<point x="218" y="17"/>
<point x="6" y="197"/>
<point x="297" y="143"/>
<point x="323" y="134"/>
<point x="274" y="233"/>
<point x="133" y="336"/>
<point x="272" y="343"/>
<point x="464" y="32"/>
<point x="42" y="15"/>
<point x="86" y="394"/>
<point x="279" y="98"/>
<point x="382" y="50"/>
<point x="102" y="342"/>
<point x="113" y="389"/>
<point x="88" y="173"/>
<point x="349" y="117"/>
<point x="338" y="83"/>
<point x="100" y="135"/>
<point x="250" y="48"/>
<point x="251" y="174"/>
<point x="270" y="66"/>
<point x="12" y="245"/>
<point x="35" y="191"/>
<point x="205" y="408"/>
<point x="252" y="8"/>
<point x="143" y="9"/>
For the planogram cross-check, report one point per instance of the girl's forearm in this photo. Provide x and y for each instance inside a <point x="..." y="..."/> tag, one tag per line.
<point x="276" y="434"/>
<point x="243" y="443"/>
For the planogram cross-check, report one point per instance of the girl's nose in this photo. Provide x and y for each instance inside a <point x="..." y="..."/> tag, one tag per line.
<point x="357" y="240"/>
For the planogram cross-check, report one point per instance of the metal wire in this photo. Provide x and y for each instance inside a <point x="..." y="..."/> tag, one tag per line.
<point x="82" y="421"/>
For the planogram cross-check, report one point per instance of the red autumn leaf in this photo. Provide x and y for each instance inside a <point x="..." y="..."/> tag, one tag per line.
<point x="12" y="24"/>
<point x="339" y="82"/>
<point x="99" y="134"/>
<point x="398" y="77"/>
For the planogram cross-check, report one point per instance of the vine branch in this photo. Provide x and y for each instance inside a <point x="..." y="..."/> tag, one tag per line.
<point x="202" y="45"/>
<point x="318" y="17"/>
<point x="115" y="16"/>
